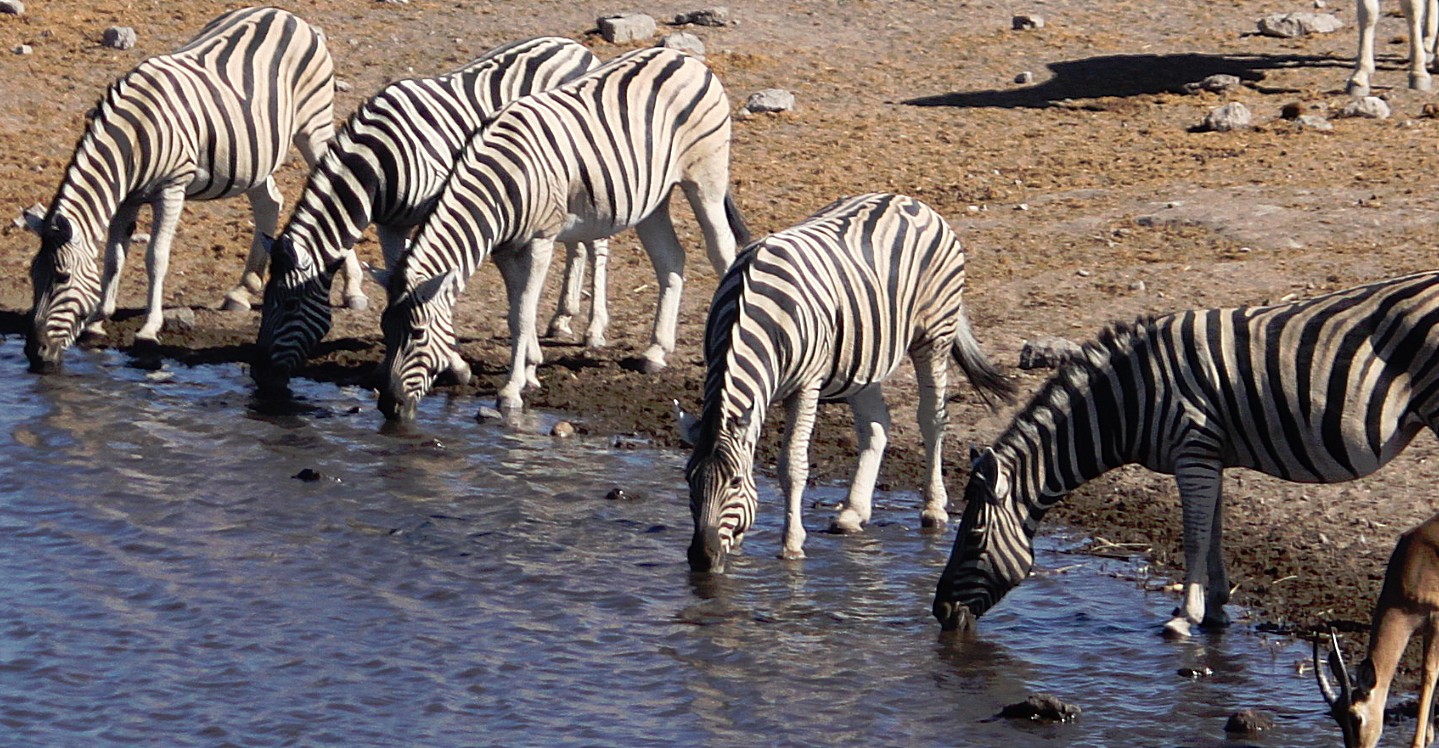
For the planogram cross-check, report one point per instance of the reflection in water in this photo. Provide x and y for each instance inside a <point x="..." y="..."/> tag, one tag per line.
<point x="168" y="582"/>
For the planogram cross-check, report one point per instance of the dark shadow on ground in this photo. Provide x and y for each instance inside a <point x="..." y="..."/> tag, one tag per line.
<point x="1128" y="75"/>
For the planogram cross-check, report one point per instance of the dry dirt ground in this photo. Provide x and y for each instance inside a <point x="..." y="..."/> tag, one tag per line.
<point x="1083" y="198"/>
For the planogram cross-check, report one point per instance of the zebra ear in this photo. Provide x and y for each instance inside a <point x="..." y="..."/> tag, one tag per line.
<point x="974" y="455"/>
<point x="688" y="425"/>
<point x="35" y="222"/>
<point x="432" y="288"/>
<point x="986" y="467"/>
<point x="381" y="275"/>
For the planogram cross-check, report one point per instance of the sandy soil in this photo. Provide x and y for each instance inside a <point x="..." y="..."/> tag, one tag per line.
<point x="1083" y="197"/>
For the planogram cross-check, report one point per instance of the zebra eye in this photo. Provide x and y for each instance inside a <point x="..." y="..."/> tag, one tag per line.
<point x="736" y="482"/>
<point x="62" y="277"/>
<point x="290" y="304"/>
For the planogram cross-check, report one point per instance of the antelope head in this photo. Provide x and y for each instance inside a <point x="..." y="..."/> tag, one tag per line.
<point x="1360" y="716"/>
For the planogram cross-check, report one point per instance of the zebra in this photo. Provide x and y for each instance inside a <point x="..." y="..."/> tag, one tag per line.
<point x="825" y="311"/>
<point x="387" y="165"/>
<point x="1318" y="391"/>
<point x="209" y="120"/>
<point x="581" y="161"/>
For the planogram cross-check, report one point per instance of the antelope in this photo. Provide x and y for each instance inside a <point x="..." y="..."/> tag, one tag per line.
<point x="1408" y="603"/>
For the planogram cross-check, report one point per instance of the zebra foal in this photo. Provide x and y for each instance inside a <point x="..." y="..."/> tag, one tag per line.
<point x="387" y="165"/>
<point x="824" y="311"/>
<point x="576" y="163"/>
<point x="211" y="120"/>
<point x="1318" y="391"/>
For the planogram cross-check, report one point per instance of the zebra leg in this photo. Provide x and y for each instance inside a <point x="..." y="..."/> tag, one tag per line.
<point x="657" y="234"/>
<point x="1214" y="614"/>
<point x="524" y="273"/>
<point x="871" y="424"/>
<point x="794" y="466"/>
<point x="117" y="244"/>
<point x="599" y="293"/>
<point x="570" y="292"/>
<point x="1415" y="15"/>
<point x="707" y="199"/>
<point x="932" y="373"/>
<point x="1364" y="65"/>
<point x="157" y="259"/>
<point x="265" y="203"/>
<point x="1199" y="483"/>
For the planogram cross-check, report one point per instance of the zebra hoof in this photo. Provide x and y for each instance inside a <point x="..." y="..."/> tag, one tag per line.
<point x="651" y="366"/>
<point x="1177" y="628"/>
<point x="596" y="341"/>
<point x="789" y="555"/>
<point x="234" y="304"/>
<point x="91" y="338"/>
<point x="357" y="303"/>
<point x="559" y="330"/>
<point x="845" y="525"/>
<point x="933" y="520"/>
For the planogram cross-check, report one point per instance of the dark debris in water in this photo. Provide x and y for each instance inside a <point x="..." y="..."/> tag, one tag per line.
<point x="1195" y="672"/>
<point x="309" y="475"/>
<point x="1249" y="722"/>
<point x="1041" y="707"/>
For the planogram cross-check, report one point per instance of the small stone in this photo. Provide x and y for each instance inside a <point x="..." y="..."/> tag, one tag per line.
<point x="1218" y="83"/>
<point x="12" y="7"/>
<point x="1313" y="122"/>
<point x="684" y="42"/>
<point x="1041" y="707"/>
<point x="1249" y="722"/>
<point x="626" y="27"/>
<point x="1027" y="22"/>
<point x="770" y="100"/>
<point x="1291" y="25"/>
<point x="343" y="86"/>
<point x="563" y="429"/>
<point x="1195" y="672"/>
<point x="308" y="475"/>
<point x="1137" y="286"/>
<point x="1048" y="353"/>
<point x="1024" y="78"/>
<point x="717" y="16"/>
<point x="178" y="319"/>
<point x="617" y="494"/>
<point x="119" y="37"/>
<point x="1231" y="116"/>
<point x="23" y="49"/>
<point x="1371" y="107"/>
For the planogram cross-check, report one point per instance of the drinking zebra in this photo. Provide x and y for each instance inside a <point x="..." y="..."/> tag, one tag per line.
<point x="211" y="120"/>
<point x="1317" y="391"/>
<point x="388" y="165"/>
<point x="826" y="311"/>
<point x="580" y="162"/>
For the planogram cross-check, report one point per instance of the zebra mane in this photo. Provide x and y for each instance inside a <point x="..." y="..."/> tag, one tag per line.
<point x="724" y="313"/>
<point x="1095" y="358"/>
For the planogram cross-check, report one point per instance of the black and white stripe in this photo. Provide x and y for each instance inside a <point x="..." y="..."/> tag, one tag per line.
<point x="213" y="119"/>
<point x="387" y="166"/>
<point x="1318" y="391"/>
<point x="825" y="311"/>
<point x="580" y="162"/>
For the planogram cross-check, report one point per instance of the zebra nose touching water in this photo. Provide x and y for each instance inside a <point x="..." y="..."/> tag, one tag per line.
<point x="211" y="120"/>
<point x="825" y="311"/>
<point x="388" y="165"/>
<point x="579" y="162"/>
<point x="1318" y="391"/>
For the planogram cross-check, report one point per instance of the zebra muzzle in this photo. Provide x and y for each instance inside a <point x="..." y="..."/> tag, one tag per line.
<point x="953" y="616"/>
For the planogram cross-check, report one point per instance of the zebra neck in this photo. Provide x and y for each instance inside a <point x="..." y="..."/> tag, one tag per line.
<point x="1044" y="466"/>
<point x="338" y="203"/>
<point x="90" y="202"/>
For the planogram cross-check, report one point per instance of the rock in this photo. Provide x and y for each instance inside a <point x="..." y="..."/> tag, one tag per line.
<point x="1218" y="83"/>
<point x="1291" y="25"/>
<point x="1137" y="286"/>
<point x="1372" y="107"/>
<point x="343" y="86"/>
<point x="178" y="319"/>
<point x="563" y="429"/>
<point x="12" y="7"/>
<point x="1024" y="78"/>
<point x="1027" y="22"/>
<point x="626" y="27"/>
<point x="308" y="475"/>
<point x="717" y="16"/>
<point x="770" y="100"/>
<point x="684" y="42"/>
<point x="1041" y="707"/>
<point x="1249" y="722"/>
<point x="23" y="49"/>
<point x="119" y="37"/>
<point x="1313" y="122"/>
<point x="1231" y="116"/>
<point x="1048" y="353"/>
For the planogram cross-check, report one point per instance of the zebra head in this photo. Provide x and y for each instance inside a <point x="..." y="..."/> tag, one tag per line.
<point x="1357" y="708"/>
<point x="723" y="498"/>
<point x="419" y="341"/>
<point x="295" y="315"/>
<point x="66" y="284"/>
<point x="992" y="552"/>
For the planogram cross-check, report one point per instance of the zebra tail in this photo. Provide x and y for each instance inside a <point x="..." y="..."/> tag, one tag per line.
<point x="736" y="221"/>
<point x="977" y="368"/>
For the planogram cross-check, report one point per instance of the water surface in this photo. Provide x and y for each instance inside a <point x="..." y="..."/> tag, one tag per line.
<point x="168" y="582"/>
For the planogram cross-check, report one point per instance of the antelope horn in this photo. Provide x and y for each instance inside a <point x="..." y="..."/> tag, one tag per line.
<point x="1326" y="689"/>
<point x="1336" y="663"/>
